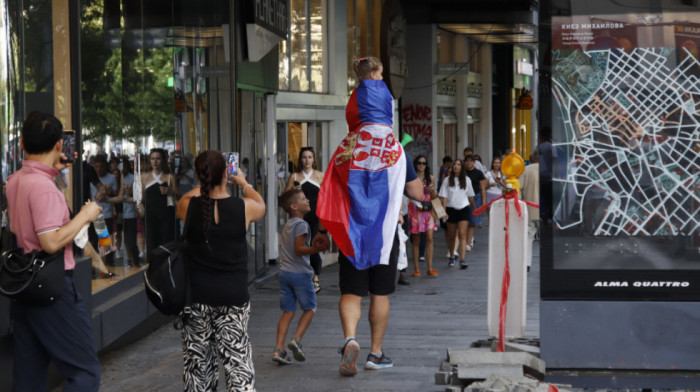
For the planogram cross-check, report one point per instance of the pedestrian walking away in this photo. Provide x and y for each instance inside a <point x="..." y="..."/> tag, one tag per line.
<point x="217" y="320"/>
<point x="359" y="203"/>
<point x="40" y="219"/>
<point x="296" y="276"/>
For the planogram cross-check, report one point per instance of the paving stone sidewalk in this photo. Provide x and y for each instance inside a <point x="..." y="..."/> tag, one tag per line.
<point x="427" y="317"/>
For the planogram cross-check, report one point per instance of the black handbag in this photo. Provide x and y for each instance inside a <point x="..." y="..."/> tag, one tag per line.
<point x="166" y="279"/>
<point x="426" y="206"/>
<point x="35" y="278"/>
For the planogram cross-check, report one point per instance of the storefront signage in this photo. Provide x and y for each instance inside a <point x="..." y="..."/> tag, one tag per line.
<point x="273" y="15"/>
<point x="267" y="23"/>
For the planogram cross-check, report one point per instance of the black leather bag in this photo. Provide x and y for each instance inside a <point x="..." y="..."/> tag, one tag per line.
<point x="166" y="279"/>
<point x="35" y="278"/>
<point x="426" y="206"/>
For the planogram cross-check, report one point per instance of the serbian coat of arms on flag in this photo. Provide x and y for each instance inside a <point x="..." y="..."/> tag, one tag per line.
<point x="360" y="198"/>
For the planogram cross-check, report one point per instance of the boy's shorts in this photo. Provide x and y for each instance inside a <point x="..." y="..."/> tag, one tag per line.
<point x="296" y="286"/>
<point x="377" y="280"/>
<point x="475" y="220"/>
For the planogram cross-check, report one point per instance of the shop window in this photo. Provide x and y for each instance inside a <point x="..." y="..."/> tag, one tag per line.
<point x="302" y="57"/>
<point x="364" y="23"/>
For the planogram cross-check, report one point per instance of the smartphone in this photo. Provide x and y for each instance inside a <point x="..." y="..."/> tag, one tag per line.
<point x="232" y="163"/>
<point x="68" y="146"/>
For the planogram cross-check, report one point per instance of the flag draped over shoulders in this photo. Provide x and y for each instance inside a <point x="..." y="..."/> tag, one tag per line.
<point x="360" y="198"/>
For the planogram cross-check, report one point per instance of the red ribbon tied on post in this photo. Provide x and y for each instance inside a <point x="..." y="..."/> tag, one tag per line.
<point x="508" y="195"/>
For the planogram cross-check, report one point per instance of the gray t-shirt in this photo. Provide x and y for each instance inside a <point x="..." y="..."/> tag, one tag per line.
<point x="289" y="260"/>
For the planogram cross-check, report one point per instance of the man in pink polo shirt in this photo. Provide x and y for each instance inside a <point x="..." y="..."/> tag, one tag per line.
<point x="40" y="219"/>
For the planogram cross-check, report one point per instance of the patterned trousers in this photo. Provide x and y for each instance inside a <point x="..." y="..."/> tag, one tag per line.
<point x="217" y="329"/>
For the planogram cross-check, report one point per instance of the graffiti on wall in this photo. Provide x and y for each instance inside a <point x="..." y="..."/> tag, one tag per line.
<point x="417" y="121"/>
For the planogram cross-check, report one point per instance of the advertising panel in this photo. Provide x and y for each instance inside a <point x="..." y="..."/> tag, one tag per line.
<point x="624" y="158"/>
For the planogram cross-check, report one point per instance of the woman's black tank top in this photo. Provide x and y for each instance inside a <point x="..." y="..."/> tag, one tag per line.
<point x="219" y="267"/>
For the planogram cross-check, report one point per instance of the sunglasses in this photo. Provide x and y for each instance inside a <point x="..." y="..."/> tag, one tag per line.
<point x="421" y="163"/>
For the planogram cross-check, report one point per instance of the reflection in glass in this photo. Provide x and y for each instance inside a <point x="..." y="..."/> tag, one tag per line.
<point x="299" y="52"/>
<point x="318" y="29"/>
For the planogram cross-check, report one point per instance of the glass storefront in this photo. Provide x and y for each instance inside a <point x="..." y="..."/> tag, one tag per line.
<point x="156" y="88"/>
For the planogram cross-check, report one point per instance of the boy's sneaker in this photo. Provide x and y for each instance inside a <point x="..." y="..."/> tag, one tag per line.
<point x="374" y="362"/>
<point x="295" y="346"/>
<point x="350" y="351"/>
<point x="452" y="262"/>
<point x="463" y="264"/>
<point x="282" y="359"/>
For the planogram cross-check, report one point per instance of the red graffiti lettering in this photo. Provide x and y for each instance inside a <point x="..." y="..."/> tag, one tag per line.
<point x="413" y="112"/>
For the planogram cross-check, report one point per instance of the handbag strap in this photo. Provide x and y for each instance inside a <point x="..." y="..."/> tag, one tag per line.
<point x="33" y="262"/>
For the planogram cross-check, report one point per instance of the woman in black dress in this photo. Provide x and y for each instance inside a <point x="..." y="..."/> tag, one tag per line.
<point x="308" y="178"/>
<point x="160" y="193"/>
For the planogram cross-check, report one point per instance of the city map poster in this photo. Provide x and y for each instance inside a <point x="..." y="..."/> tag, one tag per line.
<point x="626" y="143"/>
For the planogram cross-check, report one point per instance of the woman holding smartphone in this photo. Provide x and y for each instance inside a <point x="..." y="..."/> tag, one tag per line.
<point x="308" y="178"/>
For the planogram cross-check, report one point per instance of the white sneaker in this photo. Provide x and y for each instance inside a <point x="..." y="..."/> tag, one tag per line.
<point x="469" y="248"/>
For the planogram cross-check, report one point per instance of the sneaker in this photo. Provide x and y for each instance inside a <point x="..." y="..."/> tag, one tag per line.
<point x="295" y="346"/>
<point x="374" y="362"/>
<point x="469" y="248"/>
<point x="455" y="254"/>
<point x="350" y="351"/>
<point x="432" y="272"/>
<point x="416" y="274"/>
<point x="403" y="281"/>
<point x="282" y="358"/>
<point x="463" y="264"/>
<point x="452" y="262"/>
<point x="422" y="258"/>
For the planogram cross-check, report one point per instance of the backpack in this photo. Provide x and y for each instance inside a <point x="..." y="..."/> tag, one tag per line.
<point x="166" y="279"/>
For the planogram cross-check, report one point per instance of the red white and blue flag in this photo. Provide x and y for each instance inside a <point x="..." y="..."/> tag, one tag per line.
<point x="360" y="198"/>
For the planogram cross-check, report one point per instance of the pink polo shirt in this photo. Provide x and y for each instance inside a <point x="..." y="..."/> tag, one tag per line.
<point x="36" y="206"/>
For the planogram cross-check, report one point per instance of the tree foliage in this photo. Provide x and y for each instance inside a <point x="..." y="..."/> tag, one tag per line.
<point x="124" y="88"/>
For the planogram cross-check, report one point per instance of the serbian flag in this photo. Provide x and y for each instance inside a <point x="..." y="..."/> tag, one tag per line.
<point x="360" y="198"/>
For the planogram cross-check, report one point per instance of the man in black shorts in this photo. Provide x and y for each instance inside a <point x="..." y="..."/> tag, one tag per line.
<point x="378" y="281"/>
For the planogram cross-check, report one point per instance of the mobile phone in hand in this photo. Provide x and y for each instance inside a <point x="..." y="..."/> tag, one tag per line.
<point x="232" y="163"/>
<point x="68" y="146"/>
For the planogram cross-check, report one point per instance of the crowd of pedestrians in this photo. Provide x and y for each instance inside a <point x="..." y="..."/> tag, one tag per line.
<point x="215" y="324"/>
